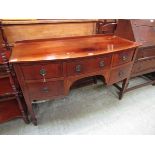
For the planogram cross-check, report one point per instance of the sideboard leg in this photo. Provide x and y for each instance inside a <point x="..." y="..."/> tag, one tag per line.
<point x="124" y="86"/>
<point x="32" y="114"/>
<point x="95" y="79"/>
<point x="153" y="84"/>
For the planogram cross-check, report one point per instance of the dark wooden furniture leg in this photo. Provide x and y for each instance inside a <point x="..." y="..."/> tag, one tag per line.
<point x="95" y="79"/>
<point x="124" y="87"/>
<point x="31" y="112"/>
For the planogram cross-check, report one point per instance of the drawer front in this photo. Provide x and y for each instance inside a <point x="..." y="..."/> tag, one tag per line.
<point x="122" y="57"/>
<point x="45" y="90"/>
<point x="143" y="66"/>
<point x="40" y="70"/>
<point x="118" y="74"/>
<point x="88" y="65"/>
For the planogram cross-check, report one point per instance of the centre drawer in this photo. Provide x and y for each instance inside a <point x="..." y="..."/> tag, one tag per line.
<point x="88" y="65"/>
<point x="122" y="57"/>
<point x="45" y="90"/>
<point x="38" y="70"/>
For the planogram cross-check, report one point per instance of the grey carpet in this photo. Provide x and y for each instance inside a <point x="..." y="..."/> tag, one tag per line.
<point x="93" y="109"/>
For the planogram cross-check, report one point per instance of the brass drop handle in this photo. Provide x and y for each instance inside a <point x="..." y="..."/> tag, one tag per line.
<point x="45" y="90"/>
<point x="78" y="68"/>
<point x="43" y="73"/>
<point x="101" y="64"/>
<point x="124" y="57"/>
<point x="121" y="74"/>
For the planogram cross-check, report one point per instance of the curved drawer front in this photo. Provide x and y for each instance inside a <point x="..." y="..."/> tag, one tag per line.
<point x="83" y="66"/>
<point x="122" y="57"/>
<point x="120" y="73"/>
<point x="41" y="90"/>
<point x="38" y="71"/>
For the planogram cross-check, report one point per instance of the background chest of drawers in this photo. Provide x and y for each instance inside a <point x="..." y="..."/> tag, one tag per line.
<point x="142" y="31"/>
<point x="58" y="63"/>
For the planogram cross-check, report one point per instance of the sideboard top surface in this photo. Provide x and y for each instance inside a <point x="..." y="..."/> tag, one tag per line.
<point x="68" y="48"/>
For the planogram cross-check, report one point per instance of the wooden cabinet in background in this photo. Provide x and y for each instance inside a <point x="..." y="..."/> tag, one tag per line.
<point x="141" y="31"/>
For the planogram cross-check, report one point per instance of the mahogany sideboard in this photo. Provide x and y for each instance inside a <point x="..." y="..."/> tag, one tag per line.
<point x="142" y="31"/>
<point x="47" y="68"/>
<point x="18" y="30"/>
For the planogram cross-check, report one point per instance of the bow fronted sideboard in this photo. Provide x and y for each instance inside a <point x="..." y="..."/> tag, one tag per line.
<point x="47" y="68"/>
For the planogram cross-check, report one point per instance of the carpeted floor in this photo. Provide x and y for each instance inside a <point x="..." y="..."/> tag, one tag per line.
<point x="93" y="109"/>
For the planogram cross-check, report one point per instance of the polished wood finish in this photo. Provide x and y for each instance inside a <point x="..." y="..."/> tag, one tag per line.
<point x="142" y="31"/>
<point x="14" y="30"/>
<point x="47" y="69"/>
<point x="69" y="48"/>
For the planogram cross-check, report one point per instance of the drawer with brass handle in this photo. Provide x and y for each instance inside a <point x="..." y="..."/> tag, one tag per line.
<point x="39" y="71"/>
<point x="45" y="89"/>
<point x="88" y="65"/>
<point x="40" y="90"/>
<point x="122" y="57"/>
<point x="102" y="64"/>
<point x="119" y="73"/>
<point x="78" y="68"/>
